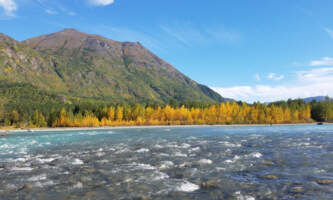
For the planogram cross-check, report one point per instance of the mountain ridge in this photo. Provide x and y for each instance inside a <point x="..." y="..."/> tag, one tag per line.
<point x="316" y="98"/>
<point x="73" y="63"/>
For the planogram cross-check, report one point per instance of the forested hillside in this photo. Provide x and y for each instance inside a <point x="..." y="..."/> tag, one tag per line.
<point x="75" y="64"/>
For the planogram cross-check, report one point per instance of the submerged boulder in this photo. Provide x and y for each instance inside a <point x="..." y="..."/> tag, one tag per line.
<point x="271" y="177"/>
<point x="27" y="187"/>
<point x="324" y="181"/>
<point x="297" y="189"/>
<point x="209" y="184"/>
<point x="4" y="134"/>
<point x="267" y="163"/>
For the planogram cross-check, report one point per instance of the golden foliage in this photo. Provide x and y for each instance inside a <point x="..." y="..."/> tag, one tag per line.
<point x="225" y="113"/>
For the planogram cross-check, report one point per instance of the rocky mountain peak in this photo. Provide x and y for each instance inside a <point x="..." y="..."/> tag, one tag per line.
<point x="74" y="63"/>
<point x="5" y="38"/>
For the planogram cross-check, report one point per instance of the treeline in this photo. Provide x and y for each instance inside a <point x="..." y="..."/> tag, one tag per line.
<point x="23" y="105"/>
<point x="322" y="111"/>
<point x="90" y="115"/>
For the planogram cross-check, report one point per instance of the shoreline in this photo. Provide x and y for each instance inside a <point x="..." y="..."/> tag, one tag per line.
<point x="58" y="129"/>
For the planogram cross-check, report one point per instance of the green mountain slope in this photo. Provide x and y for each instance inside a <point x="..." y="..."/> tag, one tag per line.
<point x="19" y="63"/>
<point x="75" y="64"/>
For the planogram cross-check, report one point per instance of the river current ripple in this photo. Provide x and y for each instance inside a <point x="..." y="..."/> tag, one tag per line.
<point x="206" y="162"/>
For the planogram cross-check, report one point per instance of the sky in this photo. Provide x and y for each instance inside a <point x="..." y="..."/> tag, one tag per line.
<point x="249" y="50"/>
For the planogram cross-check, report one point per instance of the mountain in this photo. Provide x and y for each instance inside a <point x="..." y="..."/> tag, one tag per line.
<point x="20" y="63"/>
<point x="317" y="98"/>
<point x="74" y="64"/>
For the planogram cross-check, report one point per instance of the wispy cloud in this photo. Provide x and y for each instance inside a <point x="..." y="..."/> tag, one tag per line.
<point x="308" y="83"/>
<point x="101" y="2"/>
<point x="329" y="32"/>
<point x="190" y="35"/>
<point x="9" y="7"/>
<point x="318" y="75"/>
<point x="71" y="13"/>
<point x="275" y="77"/>
<point x="326" y="61"/>
<point x="51" y="12"/>
<point x="127" y="34"/>
<point x="186" y="36"/>
<point x="54" y="8"/>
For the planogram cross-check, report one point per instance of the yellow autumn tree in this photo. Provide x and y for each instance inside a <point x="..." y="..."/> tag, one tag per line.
<point x="120" y="114"/>
<point x="111" y="113"/>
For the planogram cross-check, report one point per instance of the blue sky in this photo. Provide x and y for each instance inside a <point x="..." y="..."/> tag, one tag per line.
<point x="250" y="50"/>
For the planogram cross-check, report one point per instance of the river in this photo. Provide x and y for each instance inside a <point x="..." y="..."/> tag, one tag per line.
<point x="204" y="162"/>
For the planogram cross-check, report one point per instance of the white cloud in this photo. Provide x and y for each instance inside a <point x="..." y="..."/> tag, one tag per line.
<point x="326" y="61"/>
<point x="9" y="6"/>
<point x="275" y="77"/>
<point x="266" y="93"/>
<point x="329" y="32"/>
<point x="308" y="83"/>
<point x="319" y="75"/>
<point x="101" y="2"/>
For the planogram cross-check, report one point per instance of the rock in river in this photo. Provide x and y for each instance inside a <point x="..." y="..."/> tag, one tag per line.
<point x="270" y="176"/>
<point x="324" y="181"/>
<point x="209" y="184"/>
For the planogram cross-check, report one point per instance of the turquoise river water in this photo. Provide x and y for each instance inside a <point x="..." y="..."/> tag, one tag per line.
<point x="204" y="162"/>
